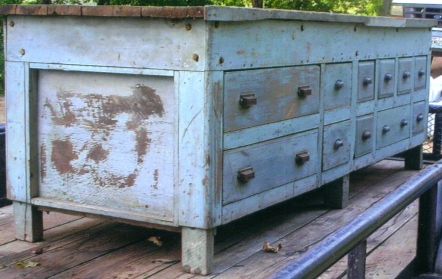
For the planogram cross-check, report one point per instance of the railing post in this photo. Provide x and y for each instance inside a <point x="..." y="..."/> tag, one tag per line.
<point x="356" y="261"/>
<point x="427" y="238"/>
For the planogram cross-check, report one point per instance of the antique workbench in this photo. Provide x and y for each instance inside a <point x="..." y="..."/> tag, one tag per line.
<point x="190" y="118"/>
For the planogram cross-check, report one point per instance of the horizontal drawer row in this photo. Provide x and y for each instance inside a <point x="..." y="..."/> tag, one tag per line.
<point x="259" y="97"/>
<point x="259" y="167"/>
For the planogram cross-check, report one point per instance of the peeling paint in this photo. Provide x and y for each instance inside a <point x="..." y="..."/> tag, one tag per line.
<point x="142" y="143"/>
<point x="97" y="153"/>
<point x="155" y="178"/>
<point x="62" y="156"/>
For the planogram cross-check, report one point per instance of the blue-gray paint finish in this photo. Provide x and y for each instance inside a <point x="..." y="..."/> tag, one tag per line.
<point x="337" y="85"/>
<point x="392" y="126"/>
<point x="419" y="119"/>
<point x="364" y="135"/>
<point x="386" y="78"/>
<point x="420" y="75"/>
<point x="274" y="163"/>
<point x="405" y="75"/>
<point x="336" y="144"/>
<point x="277" y="95"/>
<point x="366" y="79"/>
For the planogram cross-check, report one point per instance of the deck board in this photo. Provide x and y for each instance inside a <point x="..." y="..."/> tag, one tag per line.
<point x="76" y="247"/>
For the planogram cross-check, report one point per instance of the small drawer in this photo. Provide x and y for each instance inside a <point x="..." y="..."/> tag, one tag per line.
<point x="257" y="97"/>
<point x="336" y="144"/>
<point x="366" y="81"/>
<point x="405" y="75"/>
<point x="420" y="73"/>
<point x="387" y="78"/>
<point x="364" y="135"/>
<point x="392" y="126"/>
<point x="337" y="85"/>
<point x="419" y="118"/>
<point x="263" y="166"/>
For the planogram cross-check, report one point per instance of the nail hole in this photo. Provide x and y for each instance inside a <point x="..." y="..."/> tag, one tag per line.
<point x="188" y="26"/>
<point x="195" y="57"/>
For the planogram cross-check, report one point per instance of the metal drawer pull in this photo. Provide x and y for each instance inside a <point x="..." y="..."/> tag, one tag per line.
<point x="366" y="135"/>
<point x="338" y="144"/>
<point x="420" y="73"/>
<point x="367" y="81"/>
<point x="304" y="91"/>
<point x="245" y="175"/>
<point x="247" y="100"/>
<point x="406" y="75"/>
<point x="302" y="158"/>
<point x="420" y="117"/>
<point x="339" y="84"/>
<point x="388" y="77"/>
<point x="385" y="129"/>
<point x="404" y="123"/>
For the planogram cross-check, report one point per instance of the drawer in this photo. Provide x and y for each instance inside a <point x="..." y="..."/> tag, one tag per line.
<point x="419" y="119"/>
<point x="257" y="97"/>
<point x="364" y="135"/>
<point x="336" y="144"/>
<point x="405" y="76"/>
<point x="366" y="81"/>
<point x="263" y="166"/>
<point x="392" y="126"/>
<point x="337" y="85"/>
<point x="420" y="73"/>
<point x="387" y="78"/>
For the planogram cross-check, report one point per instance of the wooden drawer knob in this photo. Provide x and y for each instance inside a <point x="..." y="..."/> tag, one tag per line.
<point x="304" y="91"/>
<point x="404" y="123"/>
<point x="338" y="144"/>
<point x="247" y="100"/>
<point x="420" y="73"/>
<point x="366" y="135"/>
<point x="385" y="129"/>
<point x="388" y="77"/>
<point x="245" y="175"/>
<point x="367" y="81"/>
<point x="302" y="158"/>
<point x="339" y="84"/>
<point x="419" y="117"/>
<point x="406" y="75"/>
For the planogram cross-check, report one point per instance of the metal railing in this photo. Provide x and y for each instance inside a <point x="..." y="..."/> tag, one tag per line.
<point x="352" y="238"/>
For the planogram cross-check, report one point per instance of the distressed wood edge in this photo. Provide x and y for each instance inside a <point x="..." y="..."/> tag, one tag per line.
<point x="211" y="13"/>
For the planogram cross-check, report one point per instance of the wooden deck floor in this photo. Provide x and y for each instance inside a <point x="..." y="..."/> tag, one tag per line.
<point x="77" y="247"/>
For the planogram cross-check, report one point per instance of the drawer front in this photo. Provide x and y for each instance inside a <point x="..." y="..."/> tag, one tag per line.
<point x="405" y="75"/>
<point x="336" y="144"/>
<point x="364" y="135"/>
<point x="419" y="119"/>
<point x="387" y="78"/>
<point x="420" y="73"/>
<point x="258" y="97"/>
<point x="260" y="167"/>
<point x="366" y="81"/>
<point x="392" y="126"/>
<point x="337" y="85"/>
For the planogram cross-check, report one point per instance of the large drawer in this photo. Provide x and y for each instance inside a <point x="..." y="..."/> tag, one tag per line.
<point x="419" y="118"/>
<point x="262" y="166"/>
<point x="336" y="144"/>
<point x="366" y="81"/>
<point x="337" y="85"/>
<point x="392" y="126"/>
<point x="364" y="135"/>
<point x="258" y="97"/>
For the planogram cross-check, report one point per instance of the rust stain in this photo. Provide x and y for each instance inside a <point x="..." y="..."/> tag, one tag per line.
<point x="97" y="154"/>
<point x="155" y="178"/>
<point x="62" y="156"/>
<point x="142" y="144"/>
<point x="43" y="161"/>
<point x="66" y="117"/>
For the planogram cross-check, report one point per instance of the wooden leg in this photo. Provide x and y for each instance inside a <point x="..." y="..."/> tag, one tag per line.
<point x="336" y="192"/>
<point x="356" y="261"/>
<point x="413" y="158"/>
<point x="28" y="222"/>
<point x="197" y="250"/>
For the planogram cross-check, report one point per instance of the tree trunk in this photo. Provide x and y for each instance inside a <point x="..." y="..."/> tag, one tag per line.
<point x="258" y="3"/>
<point x="387" y="8"/>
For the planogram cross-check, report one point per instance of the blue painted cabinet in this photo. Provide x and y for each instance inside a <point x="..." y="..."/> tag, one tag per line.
<point x="189" y="118"/>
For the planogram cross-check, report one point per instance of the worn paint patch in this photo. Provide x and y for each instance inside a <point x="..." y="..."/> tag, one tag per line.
<point x="43" y="161"/>
<point x="62" y="156"/>
<point x="100" y="115"/>
<point x="155" y="178"/>
<point x="97" y="153"/>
